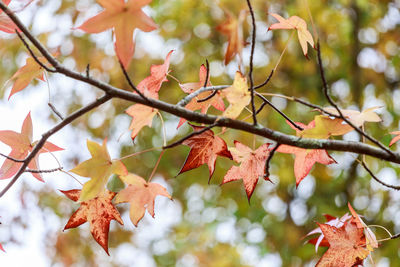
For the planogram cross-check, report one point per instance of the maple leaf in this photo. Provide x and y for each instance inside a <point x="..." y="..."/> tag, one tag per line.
<point x="332" y="221"/>
<point x="369" y="235"/>
<point x="356" y="117"/>
<point x="298" y="24"/>
<point x="204" y="149"/>
<point x="6" y="24"/>
<point x="324" y="127"/>
<point x="233" y="28"/>
<point x="216" y="101"/>
<point x="396" y="138"/>
<point x="1" y="248"/>
<point x="124" y="18"/>
<point x="98" y="168"/>
<point x="141" y="195"/>
<point x="252" y="166"/>
<point x="143" y="115"/>
<point x="98" y="211"/>
<point x="24" y="76"/>
<point x="305" y="158"/>
<point x="238" y="96"/>
<point x="346" y="245"/>
<point x="21" y="144"/>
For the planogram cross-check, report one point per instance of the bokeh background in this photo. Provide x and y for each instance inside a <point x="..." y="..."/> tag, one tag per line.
<point x="205" y="224"/>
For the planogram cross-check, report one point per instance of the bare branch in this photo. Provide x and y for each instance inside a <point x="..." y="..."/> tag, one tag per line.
<point x="33" y="54"/>
<point x="53" y="108"/>
<point x="253" y="44"/>
<point x="280" y="112"/>
<point x="271" y="154"/>
<point x="11" y="158"/>
<point x="130" y="81"/>
<point x="266" y="81"/>
<point x="189" y="97"/>
<point x="180" y="141"/>
<point x="49" y="133"/>
<point x="44" y="171"/>
<point x="377" y="179"/>
<point x="330" y="100"/>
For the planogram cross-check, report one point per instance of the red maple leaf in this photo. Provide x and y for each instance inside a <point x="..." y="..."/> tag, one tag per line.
<point x="347" y="246"/>
<point x="21" y="144"/>
<point x="141" y="195"/>
<point x="143" y="115"/>
<point x="332" y="221"/>
<point x="252" y="166"/>
<point x="204" y="149"/>
<point x="216" y="101"/>
<point x="305" y="158"/>
<point x="98" y="212"/>
<point x="124" y="18"/>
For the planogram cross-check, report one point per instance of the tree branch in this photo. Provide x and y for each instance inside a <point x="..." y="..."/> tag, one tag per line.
<point x="44" y="171"/>
<point x="377" y="179"/>
<point x="271" y="154"/>
<point x="330" y="100"/>
<point x="253" y="44"/>
<point x="180" y="141"/>
<point x="178" y="110"/>
<point x="50" y="132"/>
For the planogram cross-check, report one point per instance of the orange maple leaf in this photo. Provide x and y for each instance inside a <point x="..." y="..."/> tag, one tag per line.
<point x="99" y="168"/>
<point x="143" y="115"/>
<point x="396" y="138"/>
<point x="238" y="96"/>
<point x="6" y="24"/>
<point x="141" y="195"/>
<point x="204" y="149"/>
<point x="216" y="101"/>
<point x="124" y="18"/>
<point x="298" y="24"/>
<point x="24" y="76"/>
<point x="346" y="245"/>
<point x="305" y="158"/>
<point x="98" y="211"/>
<point x="252" y="166"/>
<point x="233" y="28"/>
<point x="21" y="144"/>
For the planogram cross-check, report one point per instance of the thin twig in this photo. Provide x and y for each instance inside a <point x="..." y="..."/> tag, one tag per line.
<point x="266" y="81"/>
<point x="130" y="81"/>
<point x="205" y="85"/>
<point x="395" y="236"/>
<point x="113" y="92"/>
<point x="377" y="179"/>
<point x="33" y="54"/>
<point x="184" y="101"/>
<point x="253" y="44"/>
<point x="88" y="70"/>
<point x="180" y="141"/>
<point x="330" y="100"/>
<point x="11" y="158"/>
<point x="271" y="154"/>
<point x="50" y="132"/>
<point x="44" y="171"/>
<point x="155" y="167"/>
<point x="280" y="112"/>
<point x="53" y="108"/>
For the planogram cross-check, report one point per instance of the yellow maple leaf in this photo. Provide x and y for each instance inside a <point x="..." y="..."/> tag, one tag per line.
<point x="238" y="96"/>
<point x="98" y="168"/>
